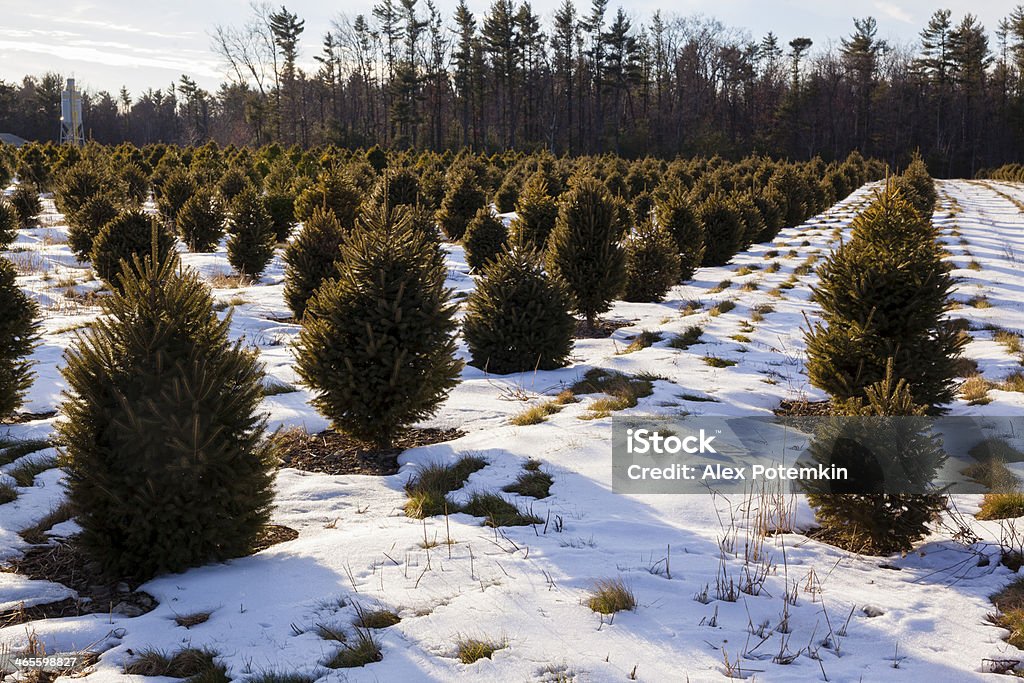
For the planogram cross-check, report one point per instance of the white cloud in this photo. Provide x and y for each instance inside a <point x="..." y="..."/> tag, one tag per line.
<point x="893" y="11"/>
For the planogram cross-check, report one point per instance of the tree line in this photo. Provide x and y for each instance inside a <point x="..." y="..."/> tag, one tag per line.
<point x="586" y="82"/>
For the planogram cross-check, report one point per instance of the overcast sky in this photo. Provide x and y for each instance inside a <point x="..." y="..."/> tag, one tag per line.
<point x="140" y="44"/>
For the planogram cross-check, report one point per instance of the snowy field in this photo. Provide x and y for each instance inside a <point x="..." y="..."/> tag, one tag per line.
<point x="820" y="614"/>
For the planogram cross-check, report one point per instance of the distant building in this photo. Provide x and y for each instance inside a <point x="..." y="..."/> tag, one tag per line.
<point x="12" y="139"/>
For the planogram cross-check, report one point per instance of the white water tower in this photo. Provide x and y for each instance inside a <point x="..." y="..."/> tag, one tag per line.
<point x="71" y="115"/>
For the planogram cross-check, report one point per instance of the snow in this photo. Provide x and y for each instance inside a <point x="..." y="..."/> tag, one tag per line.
<point x="524" y="586"/>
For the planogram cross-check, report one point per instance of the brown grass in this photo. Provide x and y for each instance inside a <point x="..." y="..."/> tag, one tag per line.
<point x="610" y="596"/>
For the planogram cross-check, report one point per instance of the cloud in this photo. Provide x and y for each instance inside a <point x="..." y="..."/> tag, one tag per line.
<point x="85" y="53"/>
<point x="893" y="11"/>
<point x="110" y="26"/>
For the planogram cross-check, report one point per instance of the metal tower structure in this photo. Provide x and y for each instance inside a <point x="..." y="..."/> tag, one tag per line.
<point x="71" y="130"/>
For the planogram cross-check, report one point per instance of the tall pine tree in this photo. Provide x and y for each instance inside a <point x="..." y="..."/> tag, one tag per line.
<point x="584" y="248"/>
<point x="377" y="344"/>
<point x="162" y="431"/>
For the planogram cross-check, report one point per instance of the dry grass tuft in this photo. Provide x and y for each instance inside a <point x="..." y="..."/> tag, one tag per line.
<point x="192" y="663"/>
<point x="472" y="649"/>
<point x="533" y="483"/>
<point x="1002" y="506"/>
<point x="642" y="341"/>
<point x="365" y="650"/>
<point x="689" y="337"/>
<point x="722" y="307"/>
<point x="379" y="618"/>
<point x="497" y="511"/>
<point x="610" y="596"/>
<point x="975" y="391"/>
<point x="428" y="490"/>
<point x="193" y="619"/>
<point x="1010" y="603"/>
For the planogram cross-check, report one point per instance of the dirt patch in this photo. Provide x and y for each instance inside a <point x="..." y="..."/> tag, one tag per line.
<point x="22" y="418"/>
<point x="804" y="409"/>
<point x="272" y="535"/>
<point x="602" y="329"/>
<point x="333" y="453"/>
<point x="65" y="562"/>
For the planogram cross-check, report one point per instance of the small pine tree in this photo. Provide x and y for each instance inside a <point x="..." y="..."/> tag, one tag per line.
<point x="251" y="242"/>
<point x="280" y="206"/>
<point x="162" y="432"/>
<point x="176" y="189"/>
<point x="652" y="264"/>
<point x="25" y="201"/>
<point x="918" y="187"/>
<point x="507" y="194"/>
<point x="201" y="221"/>
<point x="336" y="191"/>
<point x="85" y="224"/>
<point x="486" y="235"/>
<point x="396" y="187"/>
<point x="536" y="213"/>
<point x="131" y="233"/>
<point x="517" y="318"/>
<point x="769" y="202"/>
<point x="724" y="229"/>
<point x="231" y="184"/>
<point x="463" y="199"/>
<point x="311" y="258"/>
<point x="584" y="248"/>
<point x="753" y="221"/>
<point x="8" y="223"/>
<point x="675" y="213"/>
<point x="76" y="185"/>
<point x="377" y="344"/>
<point x="884" y="505"/>
<point x="884" y="295"/>
<point x="18" y="336"/>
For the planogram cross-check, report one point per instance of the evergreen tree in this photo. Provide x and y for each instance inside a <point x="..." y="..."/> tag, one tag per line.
<point x="336" y="191"/>
<point x="887" y="501"/>
<point x="8" y="223"/>
<point x="25" y="201"/>
<point x="517" y="318"/>
<point x="652" y="264"/>
<point x="536" y="212"/>
<point x="85" y="223"/>
<point x="463" y="199"/>
<point x="507" y="194"/>
<point x="280" y="206"/>
<point x="724" y="229"/>
<point x="252" y="240"/>
<point x="201" y="221"/>
<point x="376" y="344"/>
<point x="131" y="233"/>
<point x="19" y="333"/>
<point x="674" y="212"/>
<point x="311" y="258"/>
<point x="162" y="431"/>
<point x="77" y="185"/>
<point x="584" y="248"/>
<point x="486" y="235"/>
<point x="753" y="221"/>
<point x="769" y="202"/>
<point x="175" y="190"/>
<point x="884" y="295"/>
<point x="917" y="186"/>
<point x="396" y="187"/>
<point x="231" y="184"/>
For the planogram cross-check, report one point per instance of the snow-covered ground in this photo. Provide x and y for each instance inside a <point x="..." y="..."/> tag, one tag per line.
<point x="841" y="616"/>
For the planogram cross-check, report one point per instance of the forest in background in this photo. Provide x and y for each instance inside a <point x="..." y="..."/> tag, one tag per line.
<point x="589" y="81"/>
